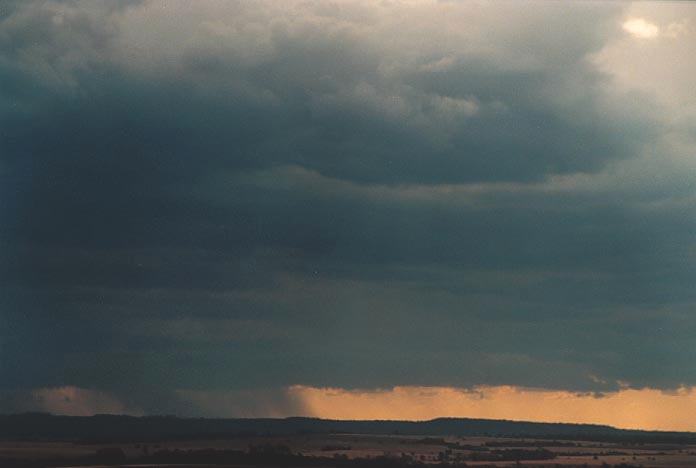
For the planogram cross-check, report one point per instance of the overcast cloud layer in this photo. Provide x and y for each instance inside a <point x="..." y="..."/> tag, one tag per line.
<point x="220" y="196"/>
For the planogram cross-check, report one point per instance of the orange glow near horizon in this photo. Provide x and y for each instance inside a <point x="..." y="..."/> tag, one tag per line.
<point x="648" y="409"/>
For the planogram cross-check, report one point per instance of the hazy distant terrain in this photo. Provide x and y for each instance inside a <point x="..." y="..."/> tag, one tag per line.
<point x="108" y="427"/>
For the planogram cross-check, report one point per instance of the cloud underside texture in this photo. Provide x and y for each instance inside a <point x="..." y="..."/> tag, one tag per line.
<point x="230" y="196"/>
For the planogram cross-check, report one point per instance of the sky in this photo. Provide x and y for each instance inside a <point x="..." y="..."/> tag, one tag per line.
<point x="349" y="208"/>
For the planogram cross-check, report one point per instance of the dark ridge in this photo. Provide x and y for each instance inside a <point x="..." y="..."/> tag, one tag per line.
<point x="40" y="426"/>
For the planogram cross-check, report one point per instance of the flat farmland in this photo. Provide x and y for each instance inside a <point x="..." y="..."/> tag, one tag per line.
<point x="345" y="450"/>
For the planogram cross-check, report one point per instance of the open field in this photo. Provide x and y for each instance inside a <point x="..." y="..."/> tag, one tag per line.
<point x="351" y="450"/>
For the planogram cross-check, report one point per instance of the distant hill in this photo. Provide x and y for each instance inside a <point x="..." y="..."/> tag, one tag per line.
<point x="129" y="428"/>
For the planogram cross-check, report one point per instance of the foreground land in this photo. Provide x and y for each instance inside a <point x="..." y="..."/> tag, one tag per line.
<point x="151" y="444"/>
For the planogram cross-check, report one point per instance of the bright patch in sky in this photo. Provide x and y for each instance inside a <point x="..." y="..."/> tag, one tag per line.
<point x="640" y="28"/>
<point x="627" y="408"/>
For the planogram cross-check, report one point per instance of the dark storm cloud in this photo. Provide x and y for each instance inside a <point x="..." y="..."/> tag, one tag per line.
<point x="235" y="196"/>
